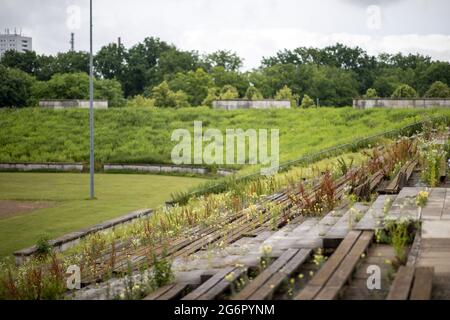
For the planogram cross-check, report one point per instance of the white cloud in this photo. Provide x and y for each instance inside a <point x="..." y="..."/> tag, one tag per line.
<point x="253" y="28"/>
<point x="253" y="44"/>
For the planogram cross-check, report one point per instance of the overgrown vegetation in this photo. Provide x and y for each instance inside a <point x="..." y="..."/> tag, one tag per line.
<point x="139" y="135"/>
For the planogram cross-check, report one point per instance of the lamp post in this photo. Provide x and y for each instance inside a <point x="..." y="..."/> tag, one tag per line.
<point x="91" y="109"/>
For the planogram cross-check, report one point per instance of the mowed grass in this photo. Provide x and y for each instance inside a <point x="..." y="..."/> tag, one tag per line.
<point x="117" y="194"/>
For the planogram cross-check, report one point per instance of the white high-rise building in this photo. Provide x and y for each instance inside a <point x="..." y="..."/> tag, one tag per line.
<point x="14" y="41"/>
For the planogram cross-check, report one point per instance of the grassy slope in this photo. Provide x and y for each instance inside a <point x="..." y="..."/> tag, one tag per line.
<point x="143" y="135"/>
<point x="117" y="195"/>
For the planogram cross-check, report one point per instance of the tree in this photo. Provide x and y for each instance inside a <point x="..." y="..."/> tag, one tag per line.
<point x="26" y="61"/>
<point x="371" y="93"/>
<point x="166" y="98"/>
<point x="213" y="94"/>
<point x="228" y="93"/>
<point x="15" y="87"/>
<point x="438" y="90"/>
<point x="221" y="78"/>
<point x="194" y="83"/>
<point x="71" y="62"/>
<point x="173" y="61"/>
<point x="285" y="93"/>
<point x="140" y="101"/>
<point x="307" y="102"/>
<point x="141" y="61"/>
<point x="404" y="91"/>
<point x="228" y="60"/>
<point x="253" y="94"/>
<point x="76" y="86"/>
<point x="111" y="90"/>
<point x="110" y="61"/>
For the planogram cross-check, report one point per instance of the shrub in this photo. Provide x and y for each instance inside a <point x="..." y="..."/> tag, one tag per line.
<point x="213" y="94"/>
<point x="166" y="98"/>
<point x="285" y="93"/>
<point x="15" y="87"/>
<point x="307" y="102"/>
<point x="140" y="101"/>
<point x="404" y="91"/>
<point x="438" y="90"/>
<point x="228" y="92"/>
<point x="253" y="94"/>
<point x="371" y="93"/>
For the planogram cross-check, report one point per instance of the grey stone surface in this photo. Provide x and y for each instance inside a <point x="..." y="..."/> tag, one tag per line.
<point x="73" y="103"/>
<point x="400" y="103"/>
<point x="251" y="104"/>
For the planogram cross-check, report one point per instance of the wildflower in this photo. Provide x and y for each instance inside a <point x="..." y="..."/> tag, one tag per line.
<point x="311" y="273"/>
<point x="301" y="276"/>
<point x="266" y="249"/>
<point x="230" y="277"/>
<point x="422" y="198"/>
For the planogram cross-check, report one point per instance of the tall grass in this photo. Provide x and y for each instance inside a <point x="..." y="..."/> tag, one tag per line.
<point x="130" y="135"/>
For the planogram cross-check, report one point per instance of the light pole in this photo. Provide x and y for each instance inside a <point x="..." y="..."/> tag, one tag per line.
<point x="91" y="108"/>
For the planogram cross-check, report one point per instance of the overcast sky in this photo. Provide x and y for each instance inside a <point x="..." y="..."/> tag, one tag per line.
<point x="252" y="28"/>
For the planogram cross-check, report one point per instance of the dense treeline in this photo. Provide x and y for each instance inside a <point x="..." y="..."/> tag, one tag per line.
<point x="155" y="73"/>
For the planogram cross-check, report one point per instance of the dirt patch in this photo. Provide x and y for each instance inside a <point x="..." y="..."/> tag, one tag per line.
<point x="10" y="208"/>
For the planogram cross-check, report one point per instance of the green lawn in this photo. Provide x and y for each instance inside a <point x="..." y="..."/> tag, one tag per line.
<point x="117" y="194"/>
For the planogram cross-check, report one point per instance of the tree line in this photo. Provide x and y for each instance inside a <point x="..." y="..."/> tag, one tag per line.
<point x="155" y="73"/>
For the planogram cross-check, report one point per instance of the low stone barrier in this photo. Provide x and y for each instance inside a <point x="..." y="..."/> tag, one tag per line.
<point x="41" y="166"/>
<point x="74" y="103"/>
<point x="163" y="169"/>
<point x="71" y="239"/>
<point x="251" y="104"/>
<point x="425" y="103"/>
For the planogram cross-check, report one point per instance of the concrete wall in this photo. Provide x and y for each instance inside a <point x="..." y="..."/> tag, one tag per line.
<point x="154" y="168"/>
<point x="42" y="166"/>
<point x="251" y="104"/>
<point x="400" y="103"/>
<point x="66" y="104"/>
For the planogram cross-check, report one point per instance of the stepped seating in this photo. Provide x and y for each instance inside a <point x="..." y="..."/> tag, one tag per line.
<point x="264" y="285"/>
<point x="216" y="285"/>
<point x="334" y="274"/>
<point x="412" y="283"/>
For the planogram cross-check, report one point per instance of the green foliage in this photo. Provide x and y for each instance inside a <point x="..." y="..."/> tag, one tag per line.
<point x="404" y="91"/>
<point x="15" y="87"/>
<point x="194" y="83"/>
<point x="371" y="93"/>
<point x="76" y="86"/>
<point x="307" y="102"/>
<point x="135" y="135"/>
<point x="162" y="272"/>
<point x="432" y="157"/>
<point x="213" y="94"/>
<point x="228" y="92"/>
<point x="43" y="245"/>
<point x="398" y="233"/>
<point x="36" y="280"/>
<point x="285" y="93"/>
<point x="140" y="101"/>
<point x="438" y="90"/>
<point x="166" y="98"/>
<point x="228" y="60"/>
<point x="253" y="94"/>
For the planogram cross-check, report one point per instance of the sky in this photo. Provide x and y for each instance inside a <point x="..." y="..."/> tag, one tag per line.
<point x="252" y="28"/>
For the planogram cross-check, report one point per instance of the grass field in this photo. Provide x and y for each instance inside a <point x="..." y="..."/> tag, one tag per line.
<point x="130" y="135"/>
<point x="70" y="210"/>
